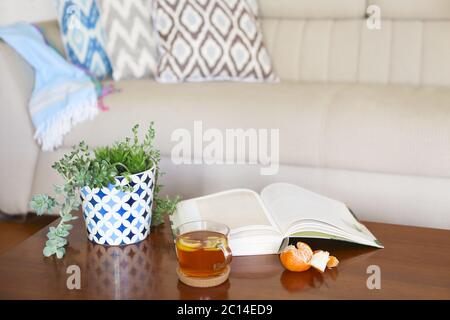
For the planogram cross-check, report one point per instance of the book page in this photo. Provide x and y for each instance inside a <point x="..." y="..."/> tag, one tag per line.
<point x="314" y="229"/>
<point x="253" y="231"/>
<point x="290" y="204"/>
<point x="238" y="209"/>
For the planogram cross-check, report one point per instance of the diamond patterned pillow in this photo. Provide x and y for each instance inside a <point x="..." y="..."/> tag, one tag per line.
<point x="203" y="40"/>
<point x="129" y="41"/>
<point x="83" y="36"/>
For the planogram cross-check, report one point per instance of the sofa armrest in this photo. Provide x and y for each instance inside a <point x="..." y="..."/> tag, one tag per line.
<point x="19" y="150"/>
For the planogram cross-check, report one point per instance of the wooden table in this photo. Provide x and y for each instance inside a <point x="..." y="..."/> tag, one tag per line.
<point x="414" y="265"/>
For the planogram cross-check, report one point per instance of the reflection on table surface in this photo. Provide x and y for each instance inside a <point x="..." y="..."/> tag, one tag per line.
<point x="122" y="271"/>
<point x="143" y="268"/>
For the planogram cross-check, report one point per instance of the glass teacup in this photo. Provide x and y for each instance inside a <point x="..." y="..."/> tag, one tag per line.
<point x="202" y="248"/>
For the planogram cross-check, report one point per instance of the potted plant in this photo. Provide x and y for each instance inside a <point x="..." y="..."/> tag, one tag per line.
<point x="117" y="187"/>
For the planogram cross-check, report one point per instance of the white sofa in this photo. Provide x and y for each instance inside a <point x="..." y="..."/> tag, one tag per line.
<point x="364" y="115"/>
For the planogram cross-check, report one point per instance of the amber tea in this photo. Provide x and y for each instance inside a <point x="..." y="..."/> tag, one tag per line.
<point x="202" y="253"/>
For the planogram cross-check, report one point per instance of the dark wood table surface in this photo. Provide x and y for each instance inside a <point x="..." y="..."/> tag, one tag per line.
<point x="415" y="264"/>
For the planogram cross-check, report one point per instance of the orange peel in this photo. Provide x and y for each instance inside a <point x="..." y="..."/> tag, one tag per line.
<point x="332" y="262"/>
<point x="319" y="260"/>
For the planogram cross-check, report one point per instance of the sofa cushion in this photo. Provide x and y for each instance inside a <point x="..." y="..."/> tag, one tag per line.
<point x="395" y="129"/>
<point x="403" y="52"/>
<point x="313" y="9"/>
<point x="413" y="9"/>
<point x="130" y="43"/>
<point x="212" y="40"/>
<point x="82" y="35"/>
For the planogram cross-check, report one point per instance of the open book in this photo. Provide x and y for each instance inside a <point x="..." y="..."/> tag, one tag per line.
<point x="260" y="223"/>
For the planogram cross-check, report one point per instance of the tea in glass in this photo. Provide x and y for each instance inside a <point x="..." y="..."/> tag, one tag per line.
<point x="202" y="249"/>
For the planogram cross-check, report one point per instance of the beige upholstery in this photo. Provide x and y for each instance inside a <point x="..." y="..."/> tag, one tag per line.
<point x="19" y="151"/>
<point x="413" y="9"/>
<point x="312" y="9"/>
<point x="398" y="130"/>
<point x="401" y="52"/>
<point x="364" y="115"/>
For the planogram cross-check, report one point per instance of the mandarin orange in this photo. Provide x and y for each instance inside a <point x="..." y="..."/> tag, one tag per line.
<point x="296" y="259"/>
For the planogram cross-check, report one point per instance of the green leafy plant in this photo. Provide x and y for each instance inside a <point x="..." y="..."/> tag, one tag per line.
<point x="98" y="169"/>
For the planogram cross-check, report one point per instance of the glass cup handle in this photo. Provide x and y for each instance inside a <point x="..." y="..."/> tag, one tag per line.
<point x="227" y="254"/>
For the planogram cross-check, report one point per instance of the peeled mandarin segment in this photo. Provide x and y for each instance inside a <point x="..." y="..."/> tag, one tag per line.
<point x="290" y="247"/>
<point x="332" y="262"/>
<point x="302" y="245"/>
<point x="305" y="250"/>
<point x="294" y="260"/>
<point x="319" y="260"/>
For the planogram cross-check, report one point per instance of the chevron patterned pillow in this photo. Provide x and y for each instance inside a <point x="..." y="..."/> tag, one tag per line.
<point x="203" y="40"/>
<point x="129" y="41"/>
<point x="83" y="36"/>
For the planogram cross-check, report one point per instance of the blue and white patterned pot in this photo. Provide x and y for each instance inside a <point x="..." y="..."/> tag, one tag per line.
<point x="114" y="217"/>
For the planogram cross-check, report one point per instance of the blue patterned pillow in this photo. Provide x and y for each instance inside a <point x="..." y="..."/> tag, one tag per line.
<point x="83" y="36"/>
